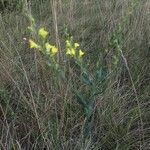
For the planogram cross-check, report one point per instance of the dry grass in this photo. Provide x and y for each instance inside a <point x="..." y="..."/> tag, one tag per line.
<point x="37" y="111"/>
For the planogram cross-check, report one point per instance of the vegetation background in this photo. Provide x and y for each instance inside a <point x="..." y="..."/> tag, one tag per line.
<point x="38" y="112"/>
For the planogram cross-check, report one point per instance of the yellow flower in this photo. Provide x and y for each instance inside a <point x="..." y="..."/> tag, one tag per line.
<point x="68" y="44"/>
<point x="51" y="49"/>
<point x="33" y="44"/>
<point x="71" y="52"/>
<point x="68" y="51"/>
<point x="43" y="33"/>
<point x="48" y="46"/>
<point x="54" y="50"/>
<point x="76" y="45"/>
<point x="81" y="53"/>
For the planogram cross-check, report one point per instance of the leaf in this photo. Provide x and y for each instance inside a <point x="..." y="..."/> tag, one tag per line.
<point x="80" y="98"/>
<point x="86" y="78"/>
<point x="101" y="74"/>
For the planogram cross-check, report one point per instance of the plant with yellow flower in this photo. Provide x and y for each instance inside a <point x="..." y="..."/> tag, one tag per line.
<point x="75" y="53"/>
<point x="49" y="50"/>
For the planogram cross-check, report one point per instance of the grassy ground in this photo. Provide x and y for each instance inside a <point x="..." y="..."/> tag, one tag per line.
<point x="37" y="111"/>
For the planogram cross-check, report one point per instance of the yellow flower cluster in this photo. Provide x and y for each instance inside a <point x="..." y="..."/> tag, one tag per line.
<point x="72" y="50"/>
<point x="43" y="33"/>
<point x="50" y="49"/>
